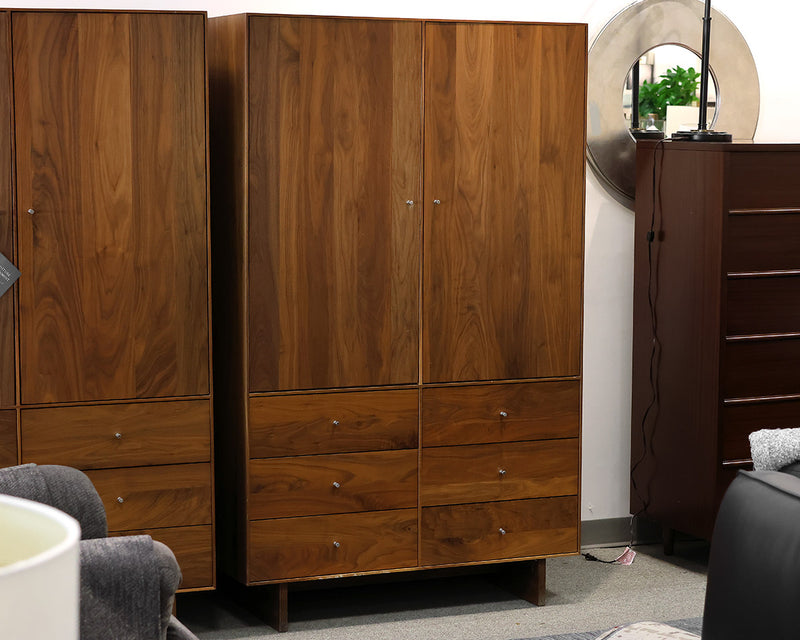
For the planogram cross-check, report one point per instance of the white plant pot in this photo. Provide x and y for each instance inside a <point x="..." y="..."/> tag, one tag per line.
<point x="39" y="572"/>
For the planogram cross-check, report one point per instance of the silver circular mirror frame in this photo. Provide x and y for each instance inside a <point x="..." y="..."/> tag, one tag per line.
<point x="644" y="25"/>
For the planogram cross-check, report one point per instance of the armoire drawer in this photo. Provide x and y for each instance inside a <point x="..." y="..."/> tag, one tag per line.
<point x="194" y="550"/>
<point x="504" y="471"/>
<point x="760" y="305"/>
<point x="155" y="497"/>
<point x="335" y="483"/>
<point x="757" y="368"/>
<point x="331" y="545"/>
<point x="8" y="438"/>
<point x="763" y="241"/>
<point x="497" y="530"/>
<point x="118" y="435"/>
<point x="739" y="420"/>
<point x="500" y="413"/>
<point x="333" y="422"/>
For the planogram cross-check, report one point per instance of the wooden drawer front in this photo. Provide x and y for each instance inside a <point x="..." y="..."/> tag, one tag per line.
<point x="763" y="241"/>
<point x="500" y="530"/>
<point x="763" y="305"/>
<point x="338" y="483"/>
<point x="8" y="438"/>
<point x="154" y="497"/>
<point x="474" y="414"/>
<point x="118" y="435"/>
<point x="506" y="471"/>
<point x="333" y="422"/>
<point x="762" y="368"/>
<point x="740" y="420"/>
<point x="331" y="545"/>
<point x="194" y="550"/>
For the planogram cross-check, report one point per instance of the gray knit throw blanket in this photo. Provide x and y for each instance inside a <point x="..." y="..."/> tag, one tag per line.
<point x="773" y="449"/>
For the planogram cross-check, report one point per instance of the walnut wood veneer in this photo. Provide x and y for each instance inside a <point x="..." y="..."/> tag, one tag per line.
<point x="106" y="216"/>
<point x="398" y="246"/>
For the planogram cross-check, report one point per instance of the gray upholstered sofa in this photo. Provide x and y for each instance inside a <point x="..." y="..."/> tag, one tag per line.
<point x="127" y="584"/>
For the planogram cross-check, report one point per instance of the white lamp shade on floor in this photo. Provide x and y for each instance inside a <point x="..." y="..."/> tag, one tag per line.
<point x="39" y="571"/>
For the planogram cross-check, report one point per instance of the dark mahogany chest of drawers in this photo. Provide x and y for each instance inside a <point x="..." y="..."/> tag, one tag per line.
<point x="716" y="346"/>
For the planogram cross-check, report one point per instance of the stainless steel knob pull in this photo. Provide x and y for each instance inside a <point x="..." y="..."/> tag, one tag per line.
<point x="336" y="544"/>
<point x="410" y="203"/>
<point x="120" y="499"/>
<point x="335" y="423"/>
<point x="502" y="472"/>
<point x="504" y="414"/>
<point x="31" y="211"/>
<point x="501" y="531"/>
<point x="118" y="435"/>
<point x="437" y="201"/>
<point x="336" y="485"/>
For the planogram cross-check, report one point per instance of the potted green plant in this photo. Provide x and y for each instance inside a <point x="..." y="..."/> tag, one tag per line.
<point x="676" y="86"/>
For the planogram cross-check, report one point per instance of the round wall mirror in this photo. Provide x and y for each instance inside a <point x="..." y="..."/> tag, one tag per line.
<point x="639" y="33"/>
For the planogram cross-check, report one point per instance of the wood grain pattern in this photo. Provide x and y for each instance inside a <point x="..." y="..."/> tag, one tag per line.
<point x="331" y="423"/>
<point x="474" y="414"/>
<point x="742" y="419"/>
<point x="763" y="305"/>
<point x="775" y="182"/>
<point x="111" y="156"/>
<point x="194" y="550"/>
<point x="337" y="483"/>
<point x="505" y="471"/>
<point x="293" y="547"/>
<point x="334" y="257"/>
<point x="760" y="241"/>
<point x="468" y="533"/>
<point x="155" y="497"/>
<point x="503" y="251"/>
<point x="118" y="435"/>
<point x="8" y="438"/>
<point x="7" y="364"/>
<point x="761" y="368"/>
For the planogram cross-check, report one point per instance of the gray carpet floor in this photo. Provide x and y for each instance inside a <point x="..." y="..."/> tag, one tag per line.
<point x="582" y="597"/>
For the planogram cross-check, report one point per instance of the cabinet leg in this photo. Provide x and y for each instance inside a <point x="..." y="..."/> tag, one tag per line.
<point x="268" y="602"/>
<point x="668" y="539"/>
<point x="526" y="580"/>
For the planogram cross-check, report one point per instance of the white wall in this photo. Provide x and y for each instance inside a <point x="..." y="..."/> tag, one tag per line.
<point x="769" y="28"/>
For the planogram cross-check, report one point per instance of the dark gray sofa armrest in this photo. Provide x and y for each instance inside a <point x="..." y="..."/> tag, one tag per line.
<point x="64" y="488"/>
<point x="128" y="588"/>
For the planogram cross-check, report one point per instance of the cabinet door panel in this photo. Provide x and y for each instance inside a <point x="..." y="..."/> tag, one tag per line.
<point x="111" y="158"/>
<point x="334" y="146"/>
<point x="6" y="221"/>
<point x="504" y="185"/>
<point x="8" y="438"/>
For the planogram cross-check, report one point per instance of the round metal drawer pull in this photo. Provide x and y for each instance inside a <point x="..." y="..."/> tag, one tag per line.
<point x="410" y="203"/>
<point x="502" y="531"/>
<point x="502" y="472"/>
<point x="335" y="423"/>
<point x="31" y="211"/>
<point x="504" y="414"/>
<point x="118" y="435"/>
<point x="336" y="544"/>
<point x="120" y="499"/>
<point x="336" y="485"/>
<point x="437" y="201"/>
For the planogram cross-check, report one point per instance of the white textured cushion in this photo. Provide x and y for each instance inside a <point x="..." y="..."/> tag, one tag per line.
<point x="648" y="631"/>
<point x="772" y="449"/>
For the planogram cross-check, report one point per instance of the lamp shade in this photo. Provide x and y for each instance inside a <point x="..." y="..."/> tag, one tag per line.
<point x="39" y="571"/>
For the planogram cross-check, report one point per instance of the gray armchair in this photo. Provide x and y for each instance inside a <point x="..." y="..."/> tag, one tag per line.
<point x="127" y="584"/>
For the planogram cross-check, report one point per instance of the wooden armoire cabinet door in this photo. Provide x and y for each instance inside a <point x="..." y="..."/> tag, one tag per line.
<point x="7" y="398"/>
<point x="334" y="222"/>
<point x="504" y="189"/>
<point x="111" y="184"/>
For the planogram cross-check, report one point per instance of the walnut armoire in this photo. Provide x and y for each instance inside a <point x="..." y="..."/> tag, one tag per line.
<point x="398" y="265"/>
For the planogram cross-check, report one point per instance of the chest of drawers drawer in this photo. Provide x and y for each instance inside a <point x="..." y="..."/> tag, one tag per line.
<point x="739" y="420"/>
<point x="333" y="422"/>
<point x="503" y="471"/>
<point x="760" y="305"/>
<point x="154" y="497"/>
<point x="336" y="483"/>
<point x="500" y="413"/>
<point x="763" y="240"/>
<point x="481" y="532"/>
<point x="756" y="368"/>
<point x="118" y="435"/>
<point x="287" y="548"/>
